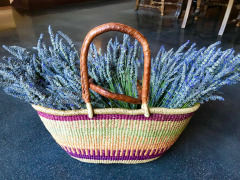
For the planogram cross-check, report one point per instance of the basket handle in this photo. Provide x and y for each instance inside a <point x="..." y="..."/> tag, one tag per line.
<point x="84" y="69"/>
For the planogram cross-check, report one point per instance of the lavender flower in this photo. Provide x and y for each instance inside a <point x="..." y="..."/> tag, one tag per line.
<point x="50" y="76"/>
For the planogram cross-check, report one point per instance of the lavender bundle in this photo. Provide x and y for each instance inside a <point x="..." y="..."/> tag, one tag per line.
<point x="183" y="78"/>
<point x="179" y="79"/>
<point x="117" y="69"/>
<point x="50" y="77"/>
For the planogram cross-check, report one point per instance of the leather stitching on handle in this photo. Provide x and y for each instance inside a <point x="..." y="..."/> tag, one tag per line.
<point x="84" y="52"/>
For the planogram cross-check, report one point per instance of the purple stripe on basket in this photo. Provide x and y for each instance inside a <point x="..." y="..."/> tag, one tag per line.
<point x="153" y="117"/>
<point x="125" y="156"/>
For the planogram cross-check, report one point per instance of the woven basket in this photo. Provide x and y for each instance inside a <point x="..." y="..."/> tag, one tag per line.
<point x="115" y="135"/>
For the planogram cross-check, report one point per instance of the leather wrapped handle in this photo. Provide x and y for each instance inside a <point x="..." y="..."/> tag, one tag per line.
<point x="84" y="69"/>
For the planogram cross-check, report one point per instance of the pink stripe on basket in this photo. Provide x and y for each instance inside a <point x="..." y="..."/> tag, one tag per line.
<point x="153" y="117"/>
<point x="125" y="156"/>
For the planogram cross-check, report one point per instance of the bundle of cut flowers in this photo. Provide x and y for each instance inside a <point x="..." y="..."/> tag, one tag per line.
<point x="49" y="75"/>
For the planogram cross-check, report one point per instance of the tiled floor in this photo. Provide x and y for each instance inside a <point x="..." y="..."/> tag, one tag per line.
<point x="208" y="148"/>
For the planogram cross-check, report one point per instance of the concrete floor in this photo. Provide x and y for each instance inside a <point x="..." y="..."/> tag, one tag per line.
<point x="208" y="148"/>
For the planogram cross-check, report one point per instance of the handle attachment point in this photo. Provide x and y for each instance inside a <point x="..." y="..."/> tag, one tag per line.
<point x="146" y="110"/>
<point x="90" y="110"/>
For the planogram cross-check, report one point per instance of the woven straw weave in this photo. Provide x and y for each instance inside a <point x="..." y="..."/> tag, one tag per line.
<point x="116" y="135"/>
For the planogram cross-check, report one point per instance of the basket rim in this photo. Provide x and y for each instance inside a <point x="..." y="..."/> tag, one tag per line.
<point x="158" y="110"/>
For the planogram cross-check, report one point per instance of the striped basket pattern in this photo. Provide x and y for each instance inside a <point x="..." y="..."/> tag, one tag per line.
<point x="116" y="135"/>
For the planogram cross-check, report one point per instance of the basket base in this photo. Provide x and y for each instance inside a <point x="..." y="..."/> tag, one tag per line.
<point x="115" y="162"/>
<point x="115" y="157"/>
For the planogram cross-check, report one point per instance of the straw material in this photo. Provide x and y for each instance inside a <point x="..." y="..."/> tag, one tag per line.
<point x="116" y="135"/>
<point x="116" y="162"/>
<point x="116" y="111"/>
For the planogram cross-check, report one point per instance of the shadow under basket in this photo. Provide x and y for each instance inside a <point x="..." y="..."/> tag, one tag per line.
<point x="116" y="135"/>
